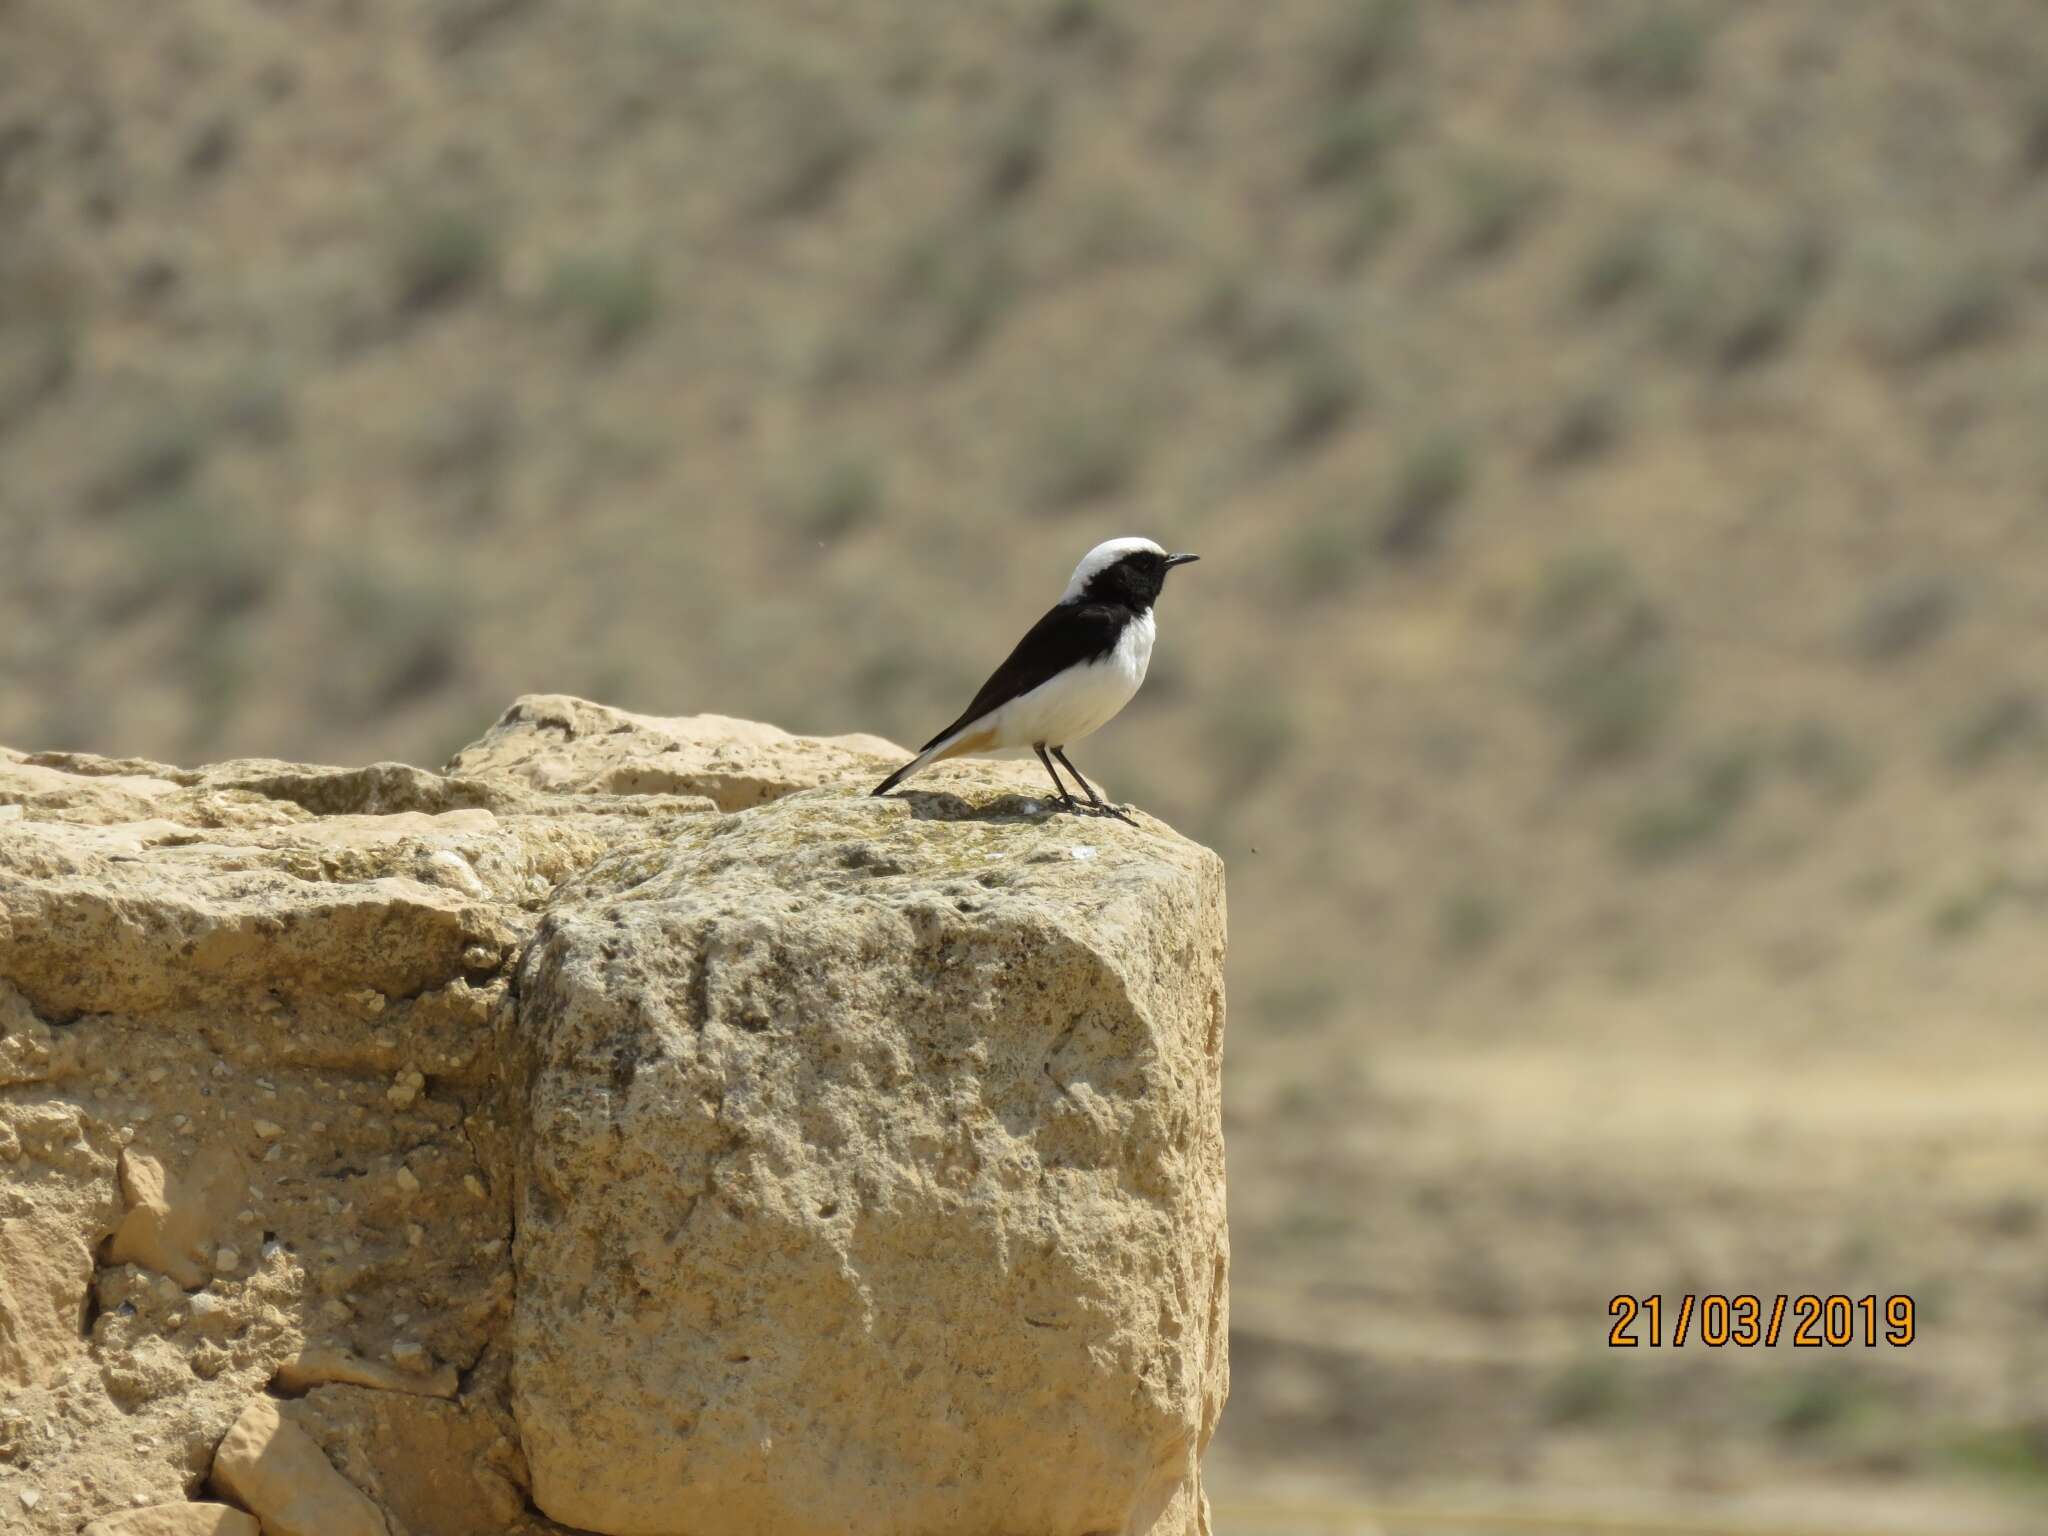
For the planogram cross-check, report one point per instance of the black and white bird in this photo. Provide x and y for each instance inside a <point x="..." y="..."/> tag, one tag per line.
<point x="1069" y="676"/>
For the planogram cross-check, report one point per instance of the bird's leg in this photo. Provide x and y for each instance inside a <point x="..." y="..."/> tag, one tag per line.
<point x="1086" y="788"/>
<point x="1066" y="799"/>
<point x="1093" y="799"/>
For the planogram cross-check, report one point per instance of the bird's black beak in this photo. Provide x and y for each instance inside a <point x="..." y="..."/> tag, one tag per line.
<point x="1173" y="560"/>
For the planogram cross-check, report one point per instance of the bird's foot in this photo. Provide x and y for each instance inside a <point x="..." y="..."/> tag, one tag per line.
<point x="1102" y="808"/>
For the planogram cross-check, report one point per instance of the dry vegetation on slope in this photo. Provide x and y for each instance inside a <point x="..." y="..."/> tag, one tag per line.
<point x="1615" y="676"/>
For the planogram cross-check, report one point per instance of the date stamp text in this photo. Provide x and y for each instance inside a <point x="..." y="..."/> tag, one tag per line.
<point x="1805" y="1322"/>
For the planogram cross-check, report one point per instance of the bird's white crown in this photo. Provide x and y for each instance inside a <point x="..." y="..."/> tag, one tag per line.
<point x="1100" y="558"/>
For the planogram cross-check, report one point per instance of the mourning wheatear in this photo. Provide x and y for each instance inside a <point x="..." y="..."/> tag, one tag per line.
<point x="1076" y="668"/>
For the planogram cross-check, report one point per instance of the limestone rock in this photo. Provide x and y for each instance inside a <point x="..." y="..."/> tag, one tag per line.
<point x="879" y="1139"/>
<point x="274" y="1469"/>
<point x="436" y="1468"/>
<point x="311" y="1368"/>
<point x="565" y="745"/>
<point x="92" y="927"/>
<point x="45" y="1277"/>
<point x="175" y="1225"/>
<point x="30" y="1051"/>
<point x="46" y="786"/>
<point x="875" y="1168"/>
<point x="175" y="1520"/>
<point x="56" y="1200"/>
<point x="232" y="981"/>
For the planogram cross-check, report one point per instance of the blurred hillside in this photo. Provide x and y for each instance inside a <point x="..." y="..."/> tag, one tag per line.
<point x="1615" y="675"/>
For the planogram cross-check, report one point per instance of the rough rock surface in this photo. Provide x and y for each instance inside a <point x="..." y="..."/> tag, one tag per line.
<point x="176" y="1520"/>
<point x="566" y="745"/>
<point x="866" y="1154"/>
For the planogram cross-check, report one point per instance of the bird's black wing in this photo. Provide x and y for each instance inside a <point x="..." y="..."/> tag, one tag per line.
<point x="1068" y="635"/>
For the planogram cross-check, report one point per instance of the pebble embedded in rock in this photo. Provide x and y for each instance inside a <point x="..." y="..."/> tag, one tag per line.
<point x="170" y="1217"/>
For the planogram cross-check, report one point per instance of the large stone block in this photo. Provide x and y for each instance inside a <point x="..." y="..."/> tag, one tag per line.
<point x="874" y="1179"/>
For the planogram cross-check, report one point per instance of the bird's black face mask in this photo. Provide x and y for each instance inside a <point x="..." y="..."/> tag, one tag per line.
<point x="1134" y="581"/>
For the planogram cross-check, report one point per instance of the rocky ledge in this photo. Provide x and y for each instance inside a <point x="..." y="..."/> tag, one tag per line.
<point x="634" y="1128"/>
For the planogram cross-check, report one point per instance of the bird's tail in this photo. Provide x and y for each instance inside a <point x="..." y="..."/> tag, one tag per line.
<point x="922" y="760"/>
<point x="957" y="741"/>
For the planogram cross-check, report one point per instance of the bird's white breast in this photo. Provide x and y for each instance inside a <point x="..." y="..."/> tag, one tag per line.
<point x="1081" y="699"/>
